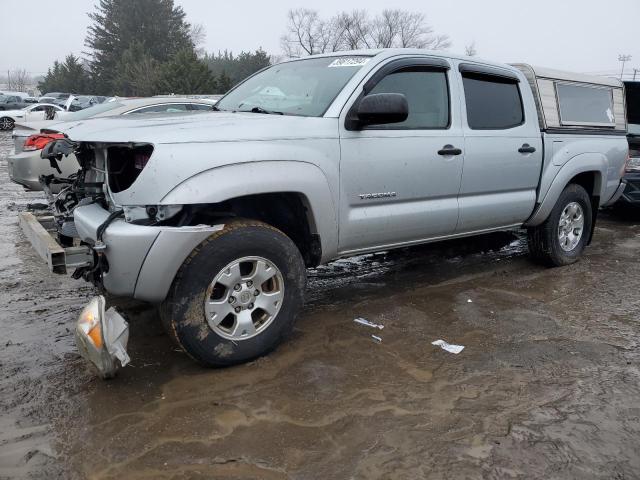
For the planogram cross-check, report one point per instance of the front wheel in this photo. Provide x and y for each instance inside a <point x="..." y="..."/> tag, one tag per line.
<point x="563" y="236"/>
<point x="237" y="295"/>
<point x="6" y="123"/>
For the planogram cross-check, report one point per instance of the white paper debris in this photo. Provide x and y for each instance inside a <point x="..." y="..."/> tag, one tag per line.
<point x="376" y="338"/>
<point x="367" y="323"/>
<point x="448" y="347"/>
<point x="469" y="301"/>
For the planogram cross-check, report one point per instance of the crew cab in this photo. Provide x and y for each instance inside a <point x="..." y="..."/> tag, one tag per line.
<point x="215" y="217"/>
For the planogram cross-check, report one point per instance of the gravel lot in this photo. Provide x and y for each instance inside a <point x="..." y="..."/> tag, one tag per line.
<point x="546" y="387"/>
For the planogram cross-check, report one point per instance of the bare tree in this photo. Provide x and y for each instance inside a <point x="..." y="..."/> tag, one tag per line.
<point x="354" y="30"/>
<point x="198" y="35"/>
<point x="470" y="50"/>
<point x="308" y="34"/>
<point x="18" y="80"/>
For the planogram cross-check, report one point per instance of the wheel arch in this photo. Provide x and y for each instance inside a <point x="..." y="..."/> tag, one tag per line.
<point x="586" y="170"/>
<point x="295" y="197"/>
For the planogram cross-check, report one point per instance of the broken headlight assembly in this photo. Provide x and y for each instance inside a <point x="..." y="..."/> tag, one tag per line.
<point x="102" y="336"/>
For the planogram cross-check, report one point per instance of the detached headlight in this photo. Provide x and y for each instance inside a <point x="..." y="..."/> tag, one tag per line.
<point x="633" y="164"/>
<point x="102" y="337"/>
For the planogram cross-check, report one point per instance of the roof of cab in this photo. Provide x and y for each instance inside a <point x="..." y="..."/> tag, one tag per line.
<point x="393" y="52"/>
<point x="538" y="71"/>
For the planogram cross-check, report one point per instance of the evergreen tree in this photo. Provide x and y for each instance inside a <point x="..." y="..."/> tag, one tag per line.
<point x="136" y="73"/>
<point x="224" y="83"/>
<point x="185" y="74"/>
<point x="69" y="76"/>
<point x="157" y="25"/>
<point x="233" y="69"/>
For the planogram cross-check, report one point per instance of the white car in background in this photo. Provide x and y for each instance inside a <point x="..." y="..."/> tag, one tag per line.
<point x="32" y="113"/>
<point x="26" y="166"/>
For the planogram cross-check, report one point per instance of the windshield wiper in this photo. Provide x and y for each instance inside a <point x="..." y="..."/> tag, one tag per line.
<point x="262" y="110"/>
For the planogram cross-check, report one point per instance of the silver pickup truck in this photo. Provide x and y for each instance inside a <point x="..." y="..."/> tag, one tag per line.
<point x="215" y="217"/>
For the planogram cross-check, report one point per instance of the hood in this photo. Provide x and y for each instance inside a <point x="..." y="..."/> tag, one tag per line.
<point x="197" y="128"/>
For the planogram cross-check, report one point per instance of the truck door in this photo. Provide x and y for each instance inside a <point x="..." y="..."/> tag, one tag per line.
<point x="503" y="149"/>
<point x="399" y="182"/>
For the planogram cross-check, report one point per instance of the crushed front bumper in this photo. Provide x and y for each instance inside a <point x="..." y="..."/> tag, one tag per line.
<point x="138" y="261"/>
<point x="132" y="260"/>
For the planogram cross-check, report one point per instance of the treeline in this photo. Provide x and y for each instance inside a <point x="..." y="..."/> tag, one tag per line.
<point x="145" y="48"/>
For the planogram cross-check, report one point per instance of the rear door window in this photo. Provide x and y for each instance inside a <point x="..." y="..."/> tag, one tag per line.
<point x="493" y="103"/>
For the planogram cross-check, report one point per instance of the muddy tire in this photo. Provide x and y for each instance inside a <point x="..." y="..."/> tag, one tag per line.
<point x="562" y="238"/>
<point x="237" y="295"/>
<point x="6" y="123"/>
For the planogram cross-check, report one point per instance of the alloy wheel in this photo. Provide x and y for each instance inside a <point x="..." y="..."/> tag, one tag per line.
<point x="244" y="298"/>
<point x="571" y="226"/>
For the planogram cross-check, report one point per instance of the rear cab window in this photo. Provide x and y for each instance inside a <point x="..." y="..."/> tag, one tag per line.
<point x="493" y="102"/>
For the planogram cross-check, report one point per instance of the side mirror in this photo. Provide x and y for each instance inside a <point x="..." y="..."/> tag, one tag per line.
<point x="381" y="108"/>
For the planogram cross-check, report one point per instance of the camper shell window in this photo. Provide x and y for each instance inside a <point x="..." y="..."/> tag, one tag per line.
<point x="585" y="105"/>
<point x="576" y="102"/>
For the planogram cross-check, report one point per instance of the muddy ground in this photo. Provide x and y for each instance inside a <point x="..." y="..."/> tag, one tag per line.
<point x="548" y="384"/>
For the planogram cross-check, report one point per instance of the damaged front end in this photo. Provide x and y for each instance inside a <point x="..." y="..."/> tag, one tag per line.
<point x="129" y="251"/>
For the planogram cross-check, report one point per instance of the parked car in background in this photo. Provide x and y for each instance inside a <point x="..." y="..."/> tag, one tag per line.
<point x="631" y="196"/>
<point x="57" y="96"/>
<point x="26" y="166"/>
<point x="30" y="113"/>
<point x="216" y="217"/>
<point x="81" y="102"/>
<point x="14" y="94"/>
<point x="12" y="102"/>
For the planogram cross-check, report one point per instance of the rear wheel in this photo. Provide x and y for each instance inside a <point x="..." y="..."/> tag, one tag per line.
<point x="562" y="238"/>
<point x="6" y="123"/>
<point x="237" y="295"/>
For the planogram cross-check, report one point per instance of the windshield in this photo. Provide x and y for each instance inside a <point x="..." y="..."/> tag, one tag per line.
<point x="92" y="111"/>
<point x="303" y="87"/>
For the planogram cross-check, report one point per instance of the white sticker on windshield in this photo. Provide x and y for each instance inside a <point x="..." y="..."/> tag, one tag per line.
<point x="349" y="62"/>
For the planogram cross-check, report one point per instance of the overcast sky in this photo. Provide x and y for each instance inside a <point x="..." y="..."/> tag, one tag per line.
<point x="580" y="35"/>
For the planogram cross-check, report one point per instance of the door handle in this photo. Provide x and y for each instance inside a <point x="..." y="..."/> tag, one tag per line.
<point x="526" y="148"/>
<point x="449" y="150"/>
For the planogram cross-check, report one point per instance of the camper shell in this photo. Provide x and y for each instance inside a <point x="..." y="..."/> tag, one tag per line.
<point x="576" y="103"/>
